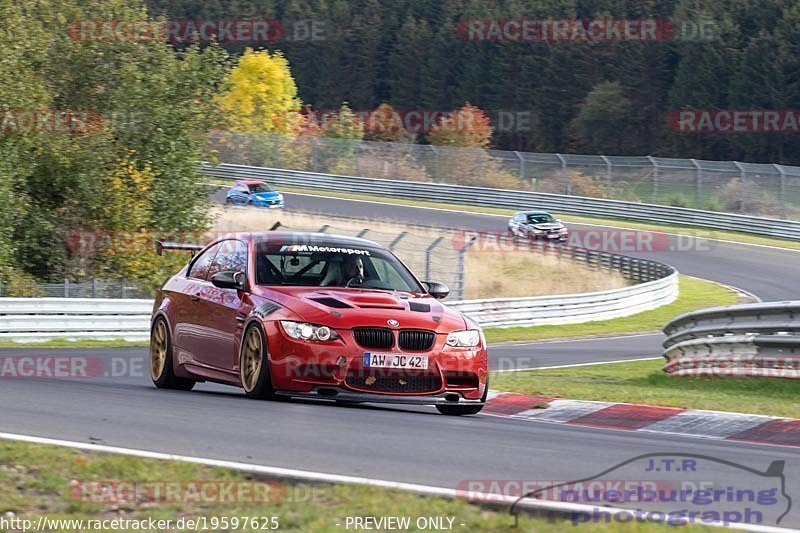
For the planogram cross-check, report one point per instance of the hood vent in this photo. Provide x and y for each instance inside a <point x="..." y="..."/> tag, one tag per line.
<point x="419" y="307"/>
<point x="332" y="302"/>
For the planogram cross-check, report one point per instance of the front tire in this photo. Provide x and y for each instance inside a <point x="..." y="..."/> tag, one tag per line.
<point x="161" y="370"/>
<point x="254" y="365"/>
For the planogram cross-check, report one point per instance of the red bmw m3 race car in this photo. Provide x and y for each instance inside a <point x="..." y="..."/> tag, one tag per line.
<point x="314" y="316"/>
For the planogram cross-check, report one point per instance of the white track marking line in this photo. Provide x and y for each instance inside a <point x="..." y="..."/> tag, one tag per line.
<point x="304" y="475"/>
<point x="593" y="363"/>
<point x="495" y="215"/>
<point x="589" y="338"/>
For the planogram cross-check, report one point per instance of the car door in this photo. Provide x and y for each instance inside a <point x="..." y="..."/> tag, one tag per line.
<point x="239" y="194"/>
<point x="223" y="311"/>
<point x="516" y="223"/>
<point x="189" y="334"/>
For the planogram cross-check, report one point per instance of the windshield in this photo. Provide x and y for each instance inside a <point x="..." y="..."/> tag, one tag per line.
<point x="540" y="218"/>
<point x="331" y="265"/>
<point x="260" y="187"/>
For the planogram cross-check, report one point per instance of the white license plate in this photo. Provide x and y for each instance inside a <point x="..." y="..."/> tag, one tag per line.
<point x="393" y="360"/>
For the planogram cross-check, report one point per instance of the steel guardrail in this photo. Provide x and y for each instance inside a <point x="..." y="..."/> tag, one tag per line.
<point x="511" y="199"/>
<point x="759" y="339"/>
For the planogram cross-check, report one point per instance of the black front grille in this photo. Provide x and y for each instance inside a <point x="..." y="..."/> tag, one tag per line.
<point x="395" y="382"/>
<point x="381" y="338"/>
<point x="416" y="339"/>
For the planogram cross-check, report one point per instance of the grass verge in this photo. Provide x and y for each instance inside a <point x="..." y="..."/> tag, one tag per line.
<point x="54" y="482"/>
<point x="644" y="382"/>
<point x="694" y="294"/>
<point x="632" y="224"/>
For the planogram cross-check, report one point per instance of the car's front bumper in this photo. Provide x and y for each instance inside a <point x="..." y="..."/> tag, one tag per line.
<point x="306" y="368"/>
<point x="345" y="395"/>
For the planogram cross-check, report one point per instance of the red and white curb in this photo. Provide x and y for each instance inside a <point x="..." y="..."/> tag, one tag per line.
<point x="647" y="418"/>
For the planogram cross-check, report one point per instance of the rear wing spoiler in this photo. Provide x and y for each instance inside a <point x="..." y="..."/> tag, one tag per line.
<point x="161" y="246"/>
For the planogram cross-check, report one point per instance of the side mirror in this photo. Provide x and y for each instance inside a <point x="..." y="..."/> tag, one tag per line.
<point x="228" y="280"/>
<point x="437" y="290"/>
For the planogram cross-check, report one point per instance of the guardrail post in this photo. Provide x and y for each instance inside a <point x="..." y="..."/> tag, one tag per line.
<point x="122" y="288"/>
<point x="94" y="287"/>
<point x="783" y="190"/>
<point x="428" y="252"/>
<point x="397" y="240"/>
<point x="655" y="178"/>
<point x="324" y="228"/>
<point x="66" y="288"/>
<point x="699" y="192"/>
<point x="362" y="232"/>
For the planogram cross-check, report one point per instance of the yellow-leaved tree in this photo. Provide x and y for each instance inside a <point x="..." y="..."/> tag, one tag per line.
<point x="261" y="95"/>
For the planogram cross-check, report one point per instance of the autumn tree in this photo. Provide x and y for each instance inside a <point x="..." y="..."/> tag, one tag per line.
<point x="261" y="95"/>
<point x="466" y="127"/>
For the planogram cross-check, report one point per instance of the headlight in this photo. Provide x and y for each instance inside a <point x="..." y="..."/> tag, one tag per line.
<point x="464" y="339"/>
<point x="308" y="332"/>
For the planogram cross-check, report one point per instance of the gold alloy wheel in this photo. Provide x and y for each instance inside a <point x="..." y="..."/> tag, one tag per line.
<point x="158" y="350"/>
<point x="250" y="364"/>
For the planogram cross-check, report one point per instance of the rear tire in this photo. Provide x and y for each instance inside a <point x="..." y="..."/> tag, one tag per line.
<point x="461" y="410"/>
<point x="161" y="370"/>
<point x="254" y="365"/>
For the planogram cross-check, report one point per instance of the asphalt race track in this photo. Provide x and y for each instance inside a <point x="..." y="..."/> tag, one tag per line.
<point x="415" y="445"/>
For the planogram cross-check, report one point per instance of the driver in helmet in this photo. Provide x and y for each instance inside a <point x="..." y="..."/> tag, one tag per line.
<point x="353" y="269"/>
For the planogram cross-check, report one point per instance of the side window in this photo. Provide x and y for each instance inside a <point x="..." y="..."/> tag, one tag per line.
<point x="232" y="256"/>
<point x="201" y="264"/>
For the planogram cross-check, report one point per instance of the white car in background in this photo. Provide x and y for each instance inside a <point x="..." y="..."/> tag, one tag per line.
<point x="537" y="225"/>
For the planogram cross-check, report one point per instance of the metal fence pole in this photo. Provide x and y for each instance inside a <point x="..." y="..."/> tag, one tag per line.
<point x="461" y="270"/>
<point x="324" y="228"/>
<point x="564" y="170"/>
<point x="522" y="177"/>
<point x="479" y="167"/>
<point x="428" y="252"/>
<point x="783" y="190"/>
<point x="314" y="154"/>
<point x="742" y="178"/>
<point x="394" y="158"/>
<point x="122" y="288"/>
<point x="607" y="161"/>
<point x="362" y="232"/>
<point x="397" y="240"/>
<point x="699" y="193"/>
<point x="94" y="287"/>
<point x="655" y="178"/>
<point x="66" y="288"/>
